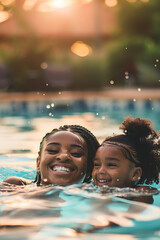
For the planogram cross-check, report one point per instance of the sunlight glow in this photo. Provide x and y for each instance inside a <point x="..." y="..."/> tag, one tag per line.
<point x="131" y="1"/>
<point x="4" y="16"/>
<point x="111" y="3"/>
<point x="86" y="1"/>
<point x="29" y="4"/>
<point x="81" y="49"/>
<point x="7" y="2"/>
<point x="51" y="4"/>
<point x="145" y="1"/>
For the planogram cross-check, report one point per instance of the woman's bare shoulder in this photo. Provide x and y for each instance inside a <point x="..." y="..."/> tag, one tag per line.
<point x="17" y="181"/>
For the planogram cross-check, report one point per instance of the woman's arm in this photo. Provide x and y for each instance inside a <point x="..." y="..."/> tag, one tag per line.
<point x="17" y="181"/>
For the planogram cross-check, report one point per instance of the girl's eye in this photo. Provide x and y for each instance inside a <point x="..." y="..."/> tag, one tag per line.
<point x="96" y="164"/>
<point x="112" y="165"/>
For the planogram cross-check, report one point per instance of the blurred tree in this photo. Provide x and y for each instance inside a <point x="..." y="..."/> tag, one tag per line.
<point x="137" y="42"/>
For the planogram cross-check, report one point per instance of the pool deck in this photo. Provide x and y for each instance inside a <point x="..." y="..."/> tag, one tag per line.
<point x="116" y="93"/>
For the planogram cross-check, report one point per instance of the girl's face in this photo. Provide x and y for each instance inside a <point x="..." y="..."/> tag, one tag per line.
<point x="63" y="159"/>
<point x="112" y="168"/>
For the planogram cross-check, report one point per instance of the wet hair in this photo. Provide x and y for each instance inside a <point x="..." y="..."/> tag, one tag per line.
<point x="91" y="142"/>
<point x="142" y="146"/>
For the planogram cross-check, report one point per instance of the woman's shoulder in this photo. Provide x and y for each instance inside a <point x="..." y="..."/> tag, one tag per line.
<point x="17" y="181"/>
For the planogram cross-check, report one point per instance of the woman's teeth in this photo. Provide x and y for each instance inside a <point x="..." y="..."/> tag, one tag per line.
<point x="61" y="169"/>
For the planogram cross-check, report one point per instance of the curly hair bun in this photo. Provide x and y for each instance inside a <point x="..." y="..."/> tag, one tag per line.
<point x="137" y="127"/>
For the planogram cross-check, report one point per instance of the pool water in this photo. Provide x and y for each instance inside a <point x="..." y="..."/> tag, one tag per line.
<point x="76" y="211"/>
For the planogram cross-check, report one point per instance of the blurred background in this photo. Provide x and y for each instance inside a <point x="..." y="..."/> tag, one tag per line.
<point x="50" y="45"/>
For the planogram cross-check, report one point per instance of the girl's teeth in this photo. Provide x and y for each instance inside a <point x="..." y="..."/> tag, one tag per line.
<point x="102" y="181"/>
<point x="60" y="169"/>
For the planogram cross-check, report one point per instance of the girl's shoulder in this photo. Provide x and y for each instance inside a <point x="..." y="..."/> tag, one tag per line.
<point x="17" y="181"/>
<point x="147" y="188"/>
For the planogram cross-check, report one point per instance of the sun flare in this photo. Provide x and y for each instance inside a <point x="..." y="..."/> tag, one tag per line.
<point x="51" y="4"/>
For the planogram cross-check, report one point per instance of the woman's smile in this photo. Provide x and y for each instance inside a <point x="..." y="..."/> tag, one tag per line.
<point x="63" y="158"/>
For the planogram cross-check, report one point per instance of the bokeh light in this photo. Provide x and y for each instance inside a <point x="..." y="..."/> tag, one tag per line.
<point x="81" y="49"/>
<point x="4" y="16"/>
<point x="7" y="2"/>
<point x="111" y="3"/>
<point x="50" y="5"/>
<point x="131" y="1"/>
<point x="29" y="4"/>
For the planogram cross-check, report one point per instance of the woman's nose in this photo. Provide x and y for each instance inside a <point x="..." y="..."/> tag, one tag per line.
<point x="63" y="156"/>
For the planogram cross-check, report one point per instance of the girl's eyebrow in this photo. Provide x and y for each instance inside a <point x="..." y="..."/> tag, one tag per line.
<point x="72" y="145"/>
<point x="96" y="159"/>
<point x="112" y="159"/>
<point x="107" y="159"/>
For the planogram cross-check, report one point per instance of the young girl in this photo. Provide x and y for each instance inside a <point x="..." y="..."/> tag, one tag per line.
<point x="129" y="159"/>
<point x="65" y="157"/>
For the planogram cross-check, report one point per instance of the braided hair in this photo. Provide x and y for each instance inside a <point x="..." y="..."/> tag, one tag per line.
<point x="142" y="144"/>
<point x="91" y="142"/>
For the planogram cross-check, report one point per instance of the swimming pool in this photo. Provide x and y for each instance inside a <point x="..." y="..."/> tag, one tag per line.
<point x="73" y="212"/>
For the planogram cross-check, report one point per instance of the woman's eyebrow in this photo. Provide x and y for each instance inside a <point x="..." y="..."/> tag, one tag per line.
<point x="76" y="145"/>
<point x="72" y="145"/>
<point x="54" y="143"/>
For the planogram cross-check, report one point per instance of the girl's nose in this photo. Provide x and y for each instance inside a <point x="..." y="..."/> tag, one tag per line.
<point x="102" y="170"/>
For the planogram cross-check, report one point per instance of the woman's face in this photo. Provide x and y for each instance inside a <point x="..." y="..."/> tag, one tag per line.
<point x="112" y="168"/>
<point x="63" y="159"/>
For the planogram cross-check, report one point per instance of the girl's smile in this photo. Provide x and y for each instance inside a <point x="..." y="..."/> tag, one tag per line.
<point x="112" y="168"/>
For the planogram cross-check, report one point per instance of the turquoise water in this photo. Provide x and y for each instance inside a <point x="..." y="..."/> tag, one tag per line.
<point x="77" y="211"/>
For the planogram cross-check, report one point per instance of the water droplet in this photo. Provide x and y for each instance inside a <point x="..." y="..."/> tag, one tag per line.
<point x="134" y="100"/>
<point x="126" y="48"/>
<point x="97" y="114"/>
<point x="103" y="118"/>
<point x="139" y="89"/>
<point x="47" y="84"/>
<point x="44" y="65"/>
<point x="45" y="179"/>
<point x="157" y="60"/>
<point x="155" y="65"/>
<point x="48" y="106"/>
<point x="126" y="77"/>
<point x="117" y="179"/>
<point x="111" y="82"/>
<point x="59" y="93"/>
<point x="52" y="104"/>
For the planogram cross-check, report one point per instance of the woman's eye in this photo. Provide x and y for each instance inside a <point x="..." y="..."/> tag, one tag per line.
<point x="76" y="154"/>
<point x="52" y="151"/>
